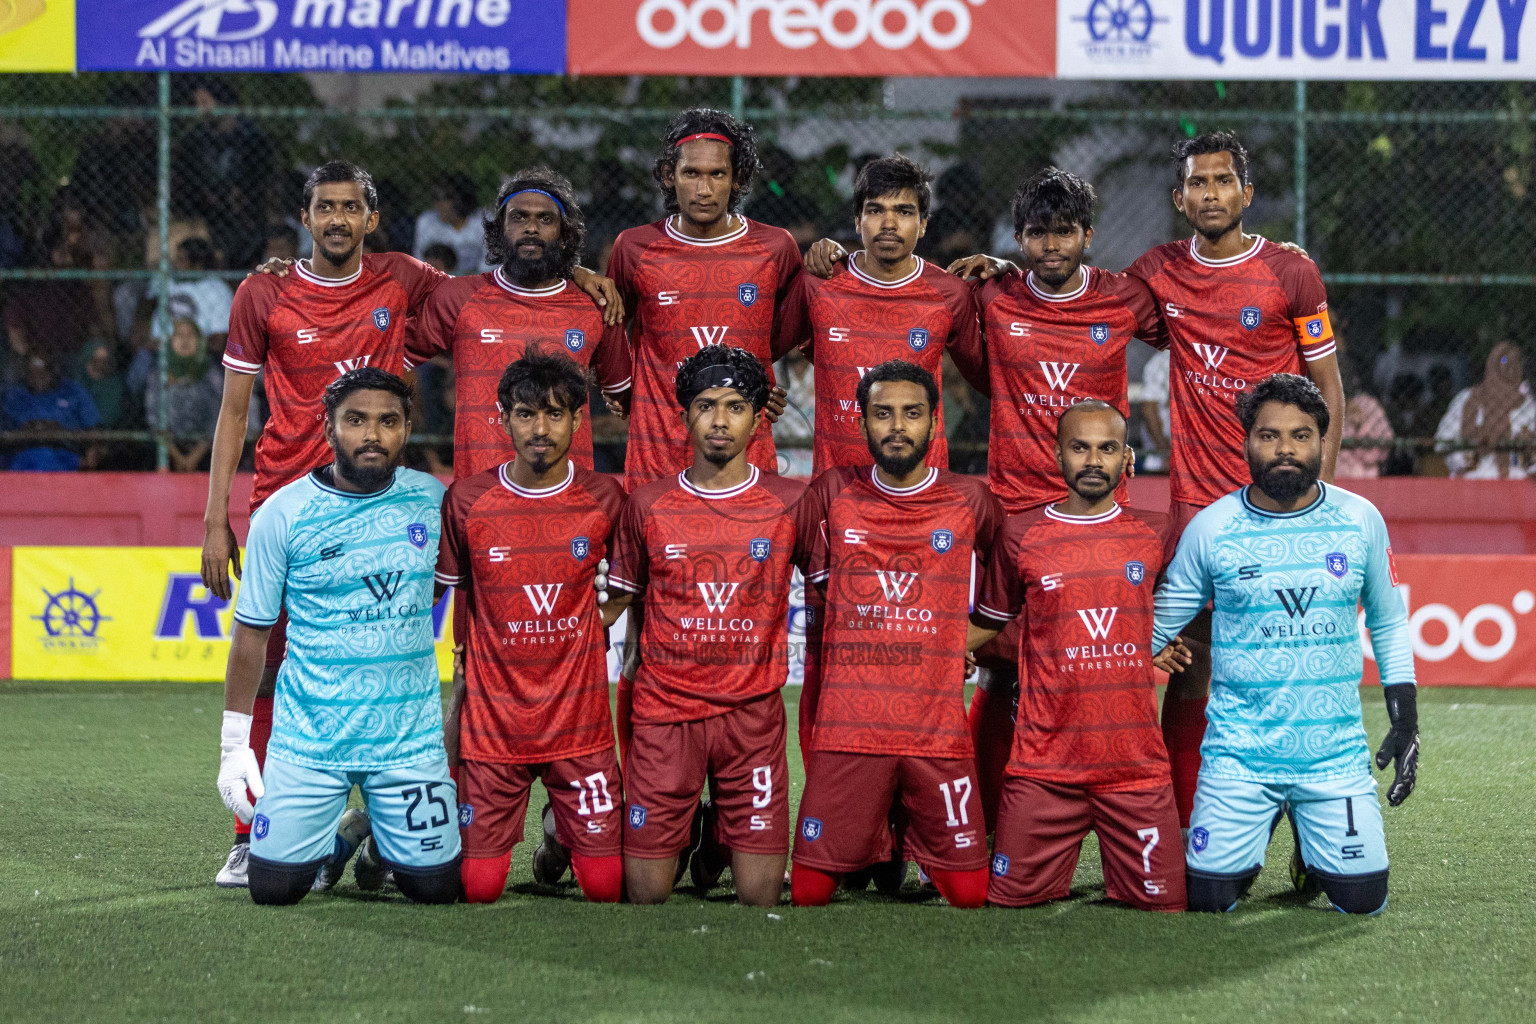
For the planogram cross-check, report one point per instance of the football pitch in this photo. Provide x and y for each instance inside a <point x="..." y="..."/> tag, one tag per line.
<point x="111" y="831"/>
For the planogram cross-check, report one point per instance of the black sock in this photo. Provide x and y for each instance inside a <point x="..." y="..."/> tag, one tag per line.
<point x="242" y="839"/>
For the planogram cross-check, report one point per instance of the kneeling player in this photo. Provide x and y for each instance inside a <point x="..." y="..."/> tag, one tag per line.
<point x="709" y="551"/>
<point x="892" y="548"/>
<point x="522" y="543"/>
<point x="347" y="551"/>
<point x="1287" y="561"/>
<point x="1087" y="751"/>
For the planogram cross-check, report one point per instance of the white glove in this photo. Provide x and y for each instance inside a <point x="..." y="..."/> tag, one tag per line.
<point x="237" y="766"/>
<point x="600" y="581"/>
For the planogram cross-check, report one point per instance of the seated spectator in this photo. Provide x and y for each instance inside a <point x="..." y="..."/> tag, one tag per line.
<point x="207" y="300"/>
<point x="103" y="380"/>
<point x="282" y="243"/>
<point x="46" y="405"/>
<point x="222" y="168"/>
<point x="793" y="432"/>
<point x="1364" y="420"/>
<point x="61" y="317"/>
<point x="442" y="257"/>
<point x="455" y="221"/>
<point x="194" y="386"/>
<point x="1496" y="411"/>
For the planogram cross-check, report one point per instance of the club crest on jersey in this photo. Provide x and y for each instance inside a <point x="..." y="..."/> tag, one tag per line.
<point x="1000" y="864"/>
<point x="1199" y="839"/>
<point x="942" y="540"/>
<point x="260" y="826"/>
<point x="580" y="546"/>
<point x="636" y="816"/>
<point x="1250" y="317"/>
<point x="811" y="829"/>
<point x="381" y="318"/>
<point x="1099" y="333"/>
<point x="416" y="533"/>
<point x="1315" y="328"/>
<point x="917" y="337"/>
<point x="1337" y="563"/>
<point x="747" y="293"/>
<point x="466" y="815"/>
<point x="1135" y="572"/>
<point x="575" y="338"/>
<point x="758" y="548"/>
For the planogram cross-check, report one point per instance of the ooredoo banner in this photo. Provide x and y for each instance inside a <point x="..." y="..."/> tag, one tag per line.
<point x="812" y="37"/>
<point x="438" y="36"/>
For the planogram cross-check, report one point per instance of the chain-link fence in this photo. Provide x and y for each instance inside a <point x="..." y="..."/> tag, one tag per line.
<point x="132" y="204"/>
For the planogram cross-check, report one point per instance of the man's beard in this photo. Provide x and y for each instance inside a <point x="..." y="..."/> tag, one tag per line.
<point x="1058" y="277"/>
<point x="527" y="271"/>
<point x="1092" y="488"/>
<point x="1216" y="234"/>
<point x="1285" y="487"/>
<point x="719" y="456"/>
<point x="334" y="259"/>
<point x="366" y="478"/>
<point x="900" y="465"/>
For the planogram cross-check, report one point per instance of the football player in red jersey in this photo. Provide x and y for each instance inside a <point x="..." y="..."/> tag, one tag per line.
<point x="1087" y="751"/>
<point x="1237" y="309"/>
<point x="710" y="552"/>
<point x="528" y="302"/>
<point x="337" y="311"/>
<point x="522" y="543"/>
<point x="893" y="547"/>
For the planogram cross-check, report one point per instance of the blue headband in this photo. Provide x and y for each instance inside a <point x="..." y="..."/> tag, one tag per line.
<point x="540" y="191"/>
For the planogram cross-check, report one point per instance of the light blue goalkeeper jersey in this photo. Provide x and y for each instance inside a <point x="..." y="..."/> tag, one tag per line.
<point x="359" y="688"/>
<point x="1285" y="651"/>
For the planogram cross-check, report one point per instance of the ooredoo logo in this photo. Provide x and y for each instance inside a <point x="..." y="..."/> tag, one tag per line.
<point x="1486" y="634"/>
<point x="798" y="24"/>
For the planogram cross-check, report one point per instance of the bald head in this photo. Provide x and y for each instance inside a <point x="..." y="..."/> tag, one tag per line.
<point x="1089" y="407"/>
<point x="1091" y="450"/>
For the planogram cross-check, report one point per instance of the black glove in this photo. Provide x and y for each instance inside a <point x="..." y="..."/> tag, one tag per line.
<point x="1401" y="747"/>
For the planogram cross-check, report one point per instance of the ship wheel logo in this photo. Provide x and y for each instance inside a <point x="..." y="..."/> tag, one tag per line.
<point x="1120" y="21"/>
<point x="71" y="612"/>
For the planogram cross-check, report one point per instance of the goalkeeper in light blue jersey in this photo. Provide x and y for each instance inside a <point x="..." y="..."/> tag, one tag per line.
<point x="349" y="550"/>
<point x="1287" y="561"/>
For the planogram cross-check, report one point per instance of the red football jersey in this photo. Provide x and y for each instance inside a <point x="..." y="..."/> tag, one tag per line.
<point x="536" y="665"/>
<point x="683" y="294"/>
<point x="1088" y="699"/>
<point x="485" y="322"/>
<point x="851" y="323"/>
<point x="898" y="566"/>
<point x="1231" y="323"/>
<point x="714" y="568"/>
<point x="1046" y="353"/>
<point x="307" y="331"/>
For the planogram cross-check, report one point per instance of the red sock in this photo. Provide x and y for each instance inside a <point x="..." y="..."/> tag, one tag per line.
<point x="964" y="889"/>
<point x="992" y="738"/>
<point x="809" y="887"/>
<point x="601" y="878"/>
<point x="624" y="723"/>
<point x="484" y="878"/>
<point x="1183" y="730"/>
<point x="261" y="732"/>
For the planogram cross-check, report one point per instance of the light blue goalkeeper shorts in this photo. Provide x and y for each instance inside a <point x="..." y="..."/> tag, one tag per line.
<point x="1338" y="823"/>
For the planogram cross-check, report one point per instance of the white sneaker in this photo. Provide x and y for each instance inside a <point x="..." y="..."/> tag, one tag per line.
<point x="233" y="874"/>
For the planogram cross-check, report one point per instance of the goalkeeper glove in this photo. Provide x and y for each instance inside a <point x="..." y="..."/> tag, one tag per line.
<point x="1401" y="746"/>
<point x="237" y="766"/>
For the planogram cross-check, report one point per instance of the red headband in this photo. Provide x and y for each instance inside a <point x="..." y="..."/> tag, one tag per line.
<point x="706" y="135"/>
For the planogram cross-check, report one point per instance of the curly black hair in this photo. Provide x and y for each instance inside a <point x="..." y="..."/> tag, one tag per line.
<point x="1287" y="389"/>
<point x="1211" y="142"/>
<point x="897" y="370"/>
<point x="1053" y="197"/>
<point x="742" y="372"/>
<point x="366" y="378"/>
<point x="540" y="376"/>
<point x="573" y="226"/>
<point x="702" y="120"/>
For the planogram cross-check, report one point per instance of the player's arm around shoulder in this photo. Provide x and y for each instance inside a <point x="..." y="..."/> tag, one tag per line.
<point x="1188" y="583"/>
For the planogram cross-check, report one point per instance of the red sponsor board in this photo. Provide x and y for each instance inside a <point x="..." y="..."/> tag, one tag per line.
<point x="1472" y="619"/>
<point x="1013" y="38"/>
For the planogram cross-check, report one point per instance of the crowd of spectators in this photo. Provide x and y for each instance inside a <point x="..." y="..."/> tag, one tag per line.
<point x="115" y="356"/>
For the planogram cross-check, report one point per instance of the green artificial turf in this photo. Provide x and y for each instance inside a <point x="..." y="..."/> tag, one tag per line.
<point x="111" y="831"/>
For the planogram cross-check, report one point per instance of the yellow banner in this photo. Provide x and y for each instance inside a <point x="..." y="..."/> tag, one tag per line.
<point x="37" y="35"/>
<point x="129" y="614"/>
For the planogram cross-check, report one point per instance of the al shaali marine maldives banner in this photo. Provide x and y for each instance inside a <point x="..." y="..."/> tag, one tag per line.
<point x="476" y="36"/>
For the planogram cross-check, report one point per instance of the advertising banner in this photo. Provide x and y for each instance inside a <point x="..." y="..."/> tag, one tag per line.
<point x="478" y="36"/>
<point x="812" y="37"/>
<point x="128" y="614"/>
<point x="37" y="35"/>
<point x="1295" y="39"/>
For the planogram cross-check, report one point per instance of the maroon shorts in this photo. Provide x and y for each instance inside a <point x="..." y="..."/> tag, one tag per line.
<point x="1040" y="830"/>
<point x="277" y="640"/>
<point x="740" y="753"/>
<point x="585" y="792"/>
<point x="848" y="796"/>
